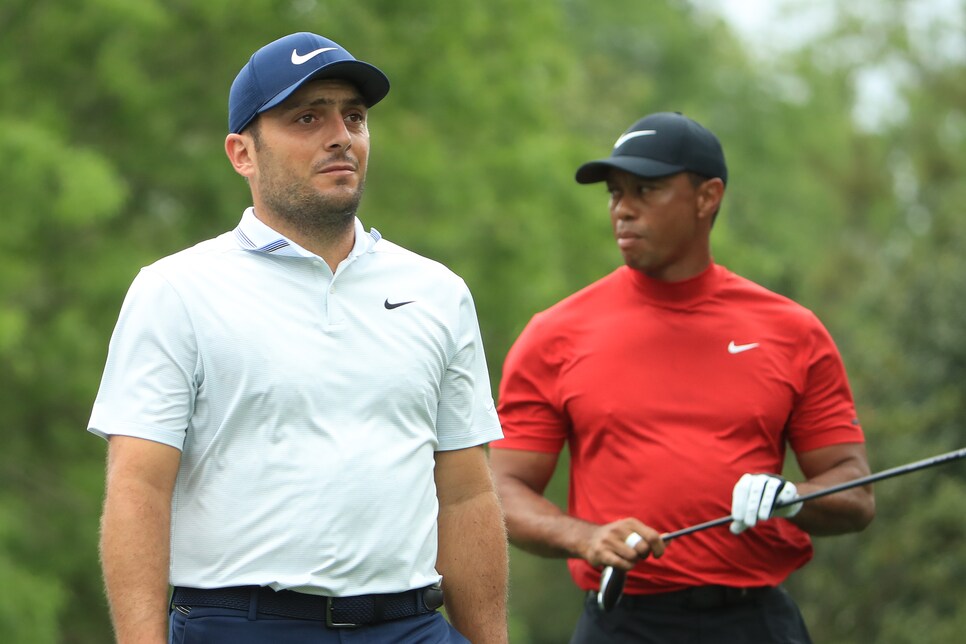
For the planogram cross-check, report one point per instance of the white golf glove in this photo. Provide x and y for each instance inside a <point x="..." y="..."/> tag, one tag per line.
<point x="754" y="498"/>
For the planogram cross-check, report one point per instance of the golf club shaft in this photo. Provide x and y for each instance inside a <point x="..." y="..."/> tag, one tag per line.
<point x="865" y="480"/>
<point x="612" y="581"/>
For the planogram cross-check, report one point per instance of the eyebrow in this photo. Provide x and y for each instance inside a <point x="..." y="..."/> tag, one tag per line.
<point x="354" y="101"/>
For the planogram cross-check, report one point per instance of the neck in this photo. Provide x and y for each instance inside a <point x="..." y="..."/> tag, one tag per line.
<point x="329" y="238"/>
<point x="679" y="272"/>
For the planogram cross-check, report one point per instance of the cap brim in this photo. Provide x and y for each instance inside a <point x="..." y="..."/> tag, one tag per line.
<point x="597" y="171"/>
<point x="371" y="82"/>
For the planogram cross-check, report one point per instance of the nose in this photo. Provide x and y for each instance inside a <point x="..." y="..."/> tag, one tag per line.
<point x="339" y="137"/>
<point x="621" y="209"/>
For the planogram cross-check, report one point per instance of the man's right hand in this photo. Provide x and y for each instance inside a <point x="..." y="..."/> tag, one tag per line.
<point x="609" y="544"/>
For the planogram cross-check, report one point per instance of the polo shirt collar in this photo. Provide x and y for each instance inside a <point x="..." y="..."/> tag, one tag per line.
<point x="682" y="294"/>
<point x="254" y="234"/>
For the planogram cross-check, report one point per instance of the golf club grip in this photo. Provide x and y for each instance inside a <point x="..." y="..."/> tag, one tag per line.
<point x="614" y="580"/>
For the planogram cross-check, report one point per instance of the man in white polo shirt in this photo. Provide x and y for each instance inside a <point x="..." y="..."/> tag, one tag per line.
<point x="297" y="408"/>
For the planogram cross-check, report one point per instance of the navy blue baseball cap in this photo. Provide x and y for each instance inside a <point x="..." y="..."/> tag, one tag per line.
<point x="660" y="145"/>
<point x="281" y="67"/>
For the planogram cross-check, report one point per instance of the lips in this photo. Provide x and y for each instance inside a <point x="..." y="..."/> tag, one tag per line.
<point x="338" y="167"/>
<point x="339" y="163"/>
<point x="625" y="239"/>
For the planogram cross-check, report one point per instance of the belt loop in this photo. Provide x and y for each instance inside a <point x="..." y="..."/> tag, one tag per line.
<point x="253" y="604"/>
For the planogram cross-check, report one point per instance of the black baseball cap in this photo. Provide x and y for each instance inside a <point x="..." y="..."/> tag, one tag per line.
<point x="279" y="68"/>
<point x="660" y="145"/>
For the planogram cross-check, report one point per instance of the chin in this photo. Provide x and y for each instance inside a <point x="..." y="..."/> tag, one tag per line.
<point x="633" y="261"/>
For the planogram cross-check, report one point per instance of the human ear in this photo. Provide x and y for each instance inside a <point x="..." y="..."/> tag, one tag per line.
<point x="710" y="194"/>
<point x="240" y="151"/>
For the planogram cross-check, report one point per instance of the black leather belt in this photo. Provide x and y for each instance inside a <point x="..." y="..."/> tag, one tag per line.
<point x="696" y="598"/>
<point x="336" y="612"/>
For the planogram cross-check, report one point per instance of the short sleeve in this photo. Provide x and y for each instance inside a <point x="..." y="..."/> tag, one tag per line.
<point x="152" y="372"/>
<point x="824" y="413"/>
<point x="529" y="407"/>
<point x="466" y="415"/>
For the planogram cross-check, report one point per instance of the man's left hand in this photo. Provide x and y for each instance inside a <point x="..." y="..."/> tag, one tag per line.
<point x="754" y="497"/>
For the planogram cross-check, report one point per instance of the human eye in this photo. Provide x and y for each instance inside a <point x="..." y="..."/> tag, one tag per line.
<point x="614" y="195"/>
<point x="306" y="118"/>
<point x="355" y="118"/>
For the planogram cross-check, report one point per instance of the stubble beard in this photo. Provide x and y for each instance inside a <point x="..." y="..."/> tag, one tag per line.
<point x="308" y="212"/>
<point x="313" y="215"/>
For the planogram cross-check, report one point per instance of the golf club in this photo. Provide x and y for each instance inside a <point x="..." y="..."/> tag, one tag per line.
<point x="612" y="579"/>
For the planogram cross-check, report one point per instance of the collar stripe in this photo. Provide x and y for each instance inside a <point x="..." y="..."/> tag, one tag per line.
<point x="270" y="247"/>
<point x="243" y="238"/>
<point x="278" y="244"/>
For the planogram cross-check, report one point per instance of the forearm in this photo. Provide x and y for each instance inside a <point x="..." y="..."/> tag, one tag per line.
<point x="847" y="511"/>
<point x="135" y="540"/>
<point x="474" y="563"/>
<point x="539" y="526"/>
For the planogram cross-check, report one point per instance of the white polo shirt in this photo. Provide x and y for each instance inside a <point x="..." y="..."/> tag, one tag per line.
<point x="307" y="406"/>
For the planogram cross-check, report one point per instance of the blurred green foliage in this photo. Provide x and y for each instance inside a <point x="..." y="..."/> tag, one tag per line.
<point x="112" y="118"/>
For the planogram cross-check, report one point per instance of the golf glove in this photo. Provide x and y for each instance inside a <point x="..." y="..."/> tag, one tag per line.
<point x="754" y="499"/>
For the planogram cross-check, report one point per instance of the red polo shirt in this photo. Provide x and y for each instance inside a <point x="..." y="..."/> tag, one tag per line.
<point x="666" y="393"/>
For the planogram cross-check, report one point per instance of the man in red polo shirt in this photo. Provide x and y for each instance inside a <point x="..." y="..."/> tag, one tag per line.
<point x="676" y="386"/>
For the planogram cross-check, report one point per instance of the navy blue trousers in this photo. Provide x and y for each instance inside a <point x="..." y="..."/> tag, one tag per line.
<point x="771" y="618"/>
<point x="227" y="626"/>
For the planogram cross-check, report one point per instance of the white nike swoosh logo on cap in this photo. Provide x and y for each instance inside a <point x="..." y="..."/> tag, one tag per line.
<point x="298" y="60"/>
<point x="632" y="135"/>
